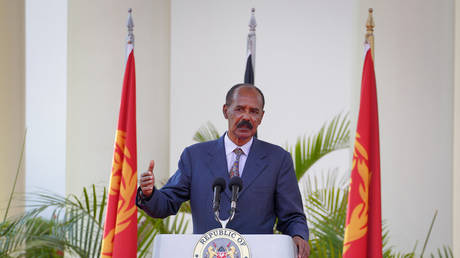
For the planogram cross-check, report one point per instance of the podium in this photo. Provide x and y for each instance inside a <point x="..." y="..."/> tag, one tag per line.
<point x="260" y="246"/>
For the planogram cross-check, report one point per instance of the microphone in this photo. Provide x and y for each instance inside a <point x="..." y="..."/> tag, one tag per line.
<point x="218" y="186"/>
<point x="236" y="184"/>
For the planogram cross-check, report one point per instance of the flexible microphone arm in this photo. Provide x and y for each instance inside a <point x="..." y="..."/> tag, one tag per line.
<point x="218" y="187"/>
<point x="236" y="184"/>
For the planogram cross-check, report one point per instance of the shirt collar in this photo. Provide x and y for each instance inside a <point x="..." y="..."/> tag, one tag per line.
<point x="231" y="146"/>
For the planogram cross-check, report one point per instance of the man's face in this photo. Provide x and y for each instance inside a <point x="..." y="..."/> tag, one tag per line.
<point x="244" y="114"/>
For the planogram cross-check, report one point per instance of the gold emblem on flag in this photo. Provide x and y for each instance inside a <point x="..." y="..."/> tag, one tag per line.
<point x="357" y="226"/>
<point x="126" y="190"/>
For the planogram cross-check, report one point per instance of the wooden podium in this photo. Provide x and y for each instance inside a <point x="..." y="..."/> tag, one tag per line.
<point x="260" y="246"/>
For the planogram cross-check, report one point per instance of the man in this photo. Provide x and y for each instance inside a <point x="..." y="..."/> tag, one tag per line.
<point x="270" y="188"/>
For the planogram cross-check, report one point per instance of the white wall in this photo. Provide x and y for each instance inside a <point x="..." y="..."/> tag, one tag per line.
<point x="456" y="142"/>
<point x="46" y="75"/>
<point x="309" y="62"/>
<point x="305" y="74"/>
<point x="414" y="70"/>
<point x="96" y="57"/>
<point x="12" y="105"/>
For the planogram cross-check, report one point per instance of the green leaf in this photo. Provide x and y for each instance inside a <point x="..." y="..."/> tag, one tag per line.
<point x="332" y="136"/>
<point x="206" y="133"/>
<point x="16" y="176"/>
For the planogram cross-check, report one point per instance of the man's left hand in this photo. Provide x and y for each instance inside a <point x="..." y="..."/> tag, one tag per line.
<point x="302" y="247"/>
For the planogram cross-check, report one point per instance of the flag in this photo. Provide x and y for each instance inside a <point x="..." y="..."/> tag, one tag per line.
<point x="251" y="50"/>
<point x="363" y="226"/>
<point x="120" y="228"/>
<point x="249" y="72"/>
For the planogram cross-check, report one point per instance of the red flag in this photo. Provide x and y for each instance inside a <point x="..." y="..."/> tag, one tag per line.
<point x="120" y="229"/>
<point x="363" y="227"/>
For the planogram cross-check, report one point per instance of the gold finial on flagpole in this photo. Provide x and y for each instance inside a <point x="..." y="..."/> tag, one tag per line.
<point x="130" y="26"/>
<point x="130" y="37"/>
<point x="370" y="31"/>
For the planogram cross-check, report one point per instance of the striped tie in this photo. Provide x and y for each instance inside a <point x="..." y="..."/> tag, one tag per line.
<point x="234" y="171"/>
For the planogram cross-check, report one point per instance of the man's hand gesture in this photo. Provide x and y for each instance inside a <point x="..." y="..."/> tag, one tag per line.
<point x="147" y="180"/>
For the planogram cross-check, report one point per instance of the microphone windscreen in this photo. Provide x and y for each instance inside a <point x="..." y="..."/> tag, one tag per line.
<point x="219" y="182"/>
<point x="236" y="181"/>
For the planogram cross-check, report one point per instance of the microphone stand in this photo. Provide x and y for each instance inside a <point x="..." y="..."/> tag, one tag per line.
<point x="236" y="184"/>
<point x="222" y="222"/>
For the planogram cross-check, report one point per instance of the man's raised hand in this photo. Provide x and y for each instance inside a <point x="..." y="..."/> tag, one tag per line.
<point x="147" y="180"/>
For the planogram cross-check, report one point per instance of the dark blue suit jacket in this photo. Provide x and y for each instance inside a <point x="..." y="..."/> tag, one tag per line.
<point x="270" y="190"/>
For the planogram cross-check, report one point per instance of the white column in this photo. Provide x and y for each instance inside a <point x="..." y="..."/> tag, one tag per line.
<point x="456" y="142"/>
<point x="11" y="101"/>
<point x="46" y="95"/>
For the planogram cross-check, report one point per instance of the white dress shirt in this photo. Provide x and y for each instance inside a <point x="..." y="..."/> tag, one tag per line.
<point x="231" y="156"/>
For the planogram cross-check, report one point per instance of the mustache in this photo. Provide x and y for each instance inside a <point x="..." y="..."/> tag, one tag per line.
<point x="244" y="123"/>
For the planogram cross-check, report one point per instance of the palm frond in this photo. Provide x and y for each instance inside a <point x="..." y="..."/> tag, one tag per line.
<point x="206" y="133"/>
<point x="80" y="229"/>
<point x="429" y="233"/>
<point x="320" y="248"/>
<point x="444" y="252"/>
<point x="326" y="204"/>
<point x="78" y="221"/>
<point x="23" y="235"/>
<point x="332" y="136"/>
<point x="326" y="208"/>
<point x="16" y="176"/>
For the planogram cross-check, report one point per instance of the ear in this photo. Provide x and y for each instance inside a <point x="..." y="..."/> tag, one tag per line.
<point x="261" y="117"/>
<point x="224" y="110"/>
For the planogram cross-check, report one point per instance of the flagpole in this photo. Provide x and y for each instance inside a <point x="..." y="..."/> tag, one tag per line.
<point x="130" y="37"/>
<point x="369" y="38"/>
<point x="363" y="224"/>
<point x="251" y="48"/>
<point x="120" y="227"/>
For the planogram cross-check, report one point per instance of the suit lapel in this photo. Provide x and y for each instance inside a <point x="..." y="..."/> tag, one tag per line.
<point x="255" y="165"/>
<point x="217" y="163"/>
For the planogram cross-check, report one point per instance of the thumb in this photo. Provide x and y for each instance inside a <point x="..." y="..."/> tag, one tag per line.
<point x="151" y="166"/>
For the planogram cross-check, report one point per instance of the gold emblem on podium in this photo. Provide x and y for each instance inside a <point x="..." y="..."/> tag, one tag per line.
<point x="221" y="243"/>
